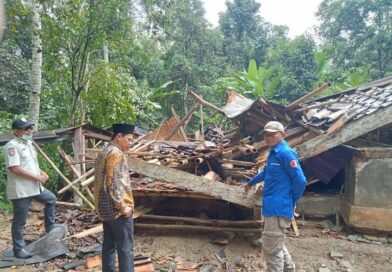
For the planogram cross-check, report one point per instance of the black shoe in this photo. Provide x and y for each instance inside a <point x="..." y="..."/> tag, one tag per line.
<point x="23" y="254"/>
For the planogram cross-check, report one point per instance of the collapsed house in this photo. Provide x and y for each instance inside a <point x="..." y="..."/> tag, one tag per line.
<point x="343" y="140"/>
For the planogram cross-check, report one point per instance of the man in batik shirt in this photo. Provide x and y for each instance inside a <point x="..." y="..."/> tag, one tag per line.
<point x="114" y="201"/>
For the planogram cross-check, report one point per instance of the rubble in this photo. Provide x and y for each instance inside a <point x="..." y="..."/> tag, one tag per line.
<point x="214" y="162"/>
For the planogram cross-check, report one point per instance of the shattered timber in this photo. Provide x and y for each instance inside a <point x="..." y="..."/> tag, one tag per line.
<point x="194" y="182"/>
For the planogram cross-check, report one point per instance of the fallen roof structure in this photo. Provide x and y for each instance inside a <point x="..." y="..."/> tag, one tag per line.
<point x="331" y="134"/>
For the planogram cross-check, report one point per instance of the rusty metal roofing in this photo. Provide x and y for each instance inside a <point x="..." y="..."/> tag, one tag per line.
<point x="351" y="105"/>
<point x="164" y="129"/>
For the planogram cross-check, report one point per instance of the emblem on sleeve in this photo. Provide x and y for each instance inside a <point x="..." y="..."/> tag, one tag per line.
<point x="11" y="151"/>
<point x="293" y="163"/>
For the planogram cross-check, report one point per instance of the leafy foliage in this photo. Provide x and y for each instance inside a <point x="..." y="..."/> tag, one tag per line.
<point x="358" y="33"/>
<point x="118" y="60"/>
<point x="257" y="82"/>
<point x="296" y="65"/>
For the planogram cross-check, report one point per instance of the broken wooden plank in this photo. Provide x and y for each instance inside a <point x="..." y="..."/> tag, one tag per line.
<point x="195" y="183"/>
<point x="304" y="98"/>
<point x="295" y="227"/>
<point x="350" y="131"/>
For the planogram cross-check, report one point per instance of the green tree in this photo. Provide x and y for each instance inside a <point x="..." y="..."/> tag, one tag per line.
<point x="191" y="55"/>
<point x="244" y="33"/>
<point x="358" y="33"/>
<point x="258" y="82"/>
<point x="77" y="31"/>
<point x="295" y="65"/>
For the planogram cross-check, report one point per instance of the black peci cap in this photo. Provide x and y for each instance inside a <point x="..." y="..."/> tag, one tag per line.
<point x="21" y="124"/>
<point x="123" y="128"/>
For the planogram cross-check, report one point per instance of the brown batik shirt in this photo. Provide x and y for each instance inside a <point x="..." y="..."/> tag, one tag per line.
<point x="112" y="189"/>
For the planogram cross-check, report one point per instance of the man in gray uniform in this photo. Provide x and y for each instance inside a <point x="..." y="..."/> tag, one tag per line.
<point x="24" y="183"/>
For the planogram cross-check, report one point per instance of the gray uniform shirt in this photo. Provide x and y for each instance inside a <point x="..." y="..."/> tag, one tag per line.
<point x="23" y="154"/>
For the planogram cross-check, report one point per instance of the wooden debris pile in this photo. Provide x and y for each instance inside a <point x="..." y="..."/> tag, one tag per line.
<point x="214" y="161"/>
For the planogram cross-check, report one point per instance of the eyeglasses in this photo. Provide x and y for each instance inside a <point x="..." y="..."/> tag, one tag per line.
<point x="28" y="128"/>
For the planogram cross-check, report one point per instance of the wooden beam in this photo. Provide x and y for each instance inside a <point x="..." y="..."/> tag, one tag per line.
<point x="233" y="194"/>
<point x="350" y="131"/>
<point x="205" y="103"/>
<point x="304" y="98"/>
<point x="207" y="222"/>
<point x="93" y="135"/>
<point x="195" y="228"/>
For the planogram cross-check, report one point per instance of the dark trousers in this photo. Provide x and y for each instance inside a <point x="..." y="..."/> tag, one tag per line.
<point x="21" y="207"/>
<point x="118" y="235"/>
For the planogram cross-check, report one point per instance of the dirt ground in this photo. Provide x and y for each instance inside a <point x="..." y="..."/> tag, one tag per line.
<point x="311" y="251"/>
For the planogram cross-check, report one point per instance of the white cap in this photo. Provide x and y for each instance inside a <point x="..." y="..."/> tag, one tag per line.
<point x="274" y="126"/>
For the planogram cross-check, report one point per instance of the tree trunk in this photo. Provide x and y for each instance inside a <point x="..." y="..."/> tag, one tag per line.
<point x="36" y="64"/>
<point x="105" y="52"/>
<point x="2" y="20"/>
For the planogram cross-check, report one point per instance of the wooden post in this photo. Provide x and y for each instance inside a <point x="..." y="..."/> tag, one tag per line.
<point x="201" y="121"/>
<point x="78" y="156"/>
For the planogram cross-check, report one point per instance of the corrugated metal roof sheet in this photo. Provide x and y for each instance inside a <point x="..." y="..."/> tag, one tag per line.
<point x="237" y="104"/>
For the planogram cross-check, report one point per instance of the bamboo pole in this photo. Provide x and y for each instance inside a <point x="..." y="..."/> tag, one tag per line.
<point x="89" y="194"/>
<point x="88" y="173"/>
<point x="69" y="204"/>
<point x="87" y="181"/>
<point x="76" y="190"/>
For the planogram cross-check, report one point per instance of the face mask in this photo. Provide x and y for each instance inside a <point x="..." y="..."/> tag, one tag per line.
<point x="26" y="138"/>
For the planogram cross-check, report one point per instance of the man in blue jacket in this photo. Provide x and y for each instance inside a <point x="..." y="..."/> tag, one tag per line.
<point x="284" y="184"/>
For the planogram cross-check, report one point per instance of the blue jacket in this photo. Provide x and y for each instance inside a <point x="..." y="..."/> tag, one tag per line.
<point x="284" y="181"/>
